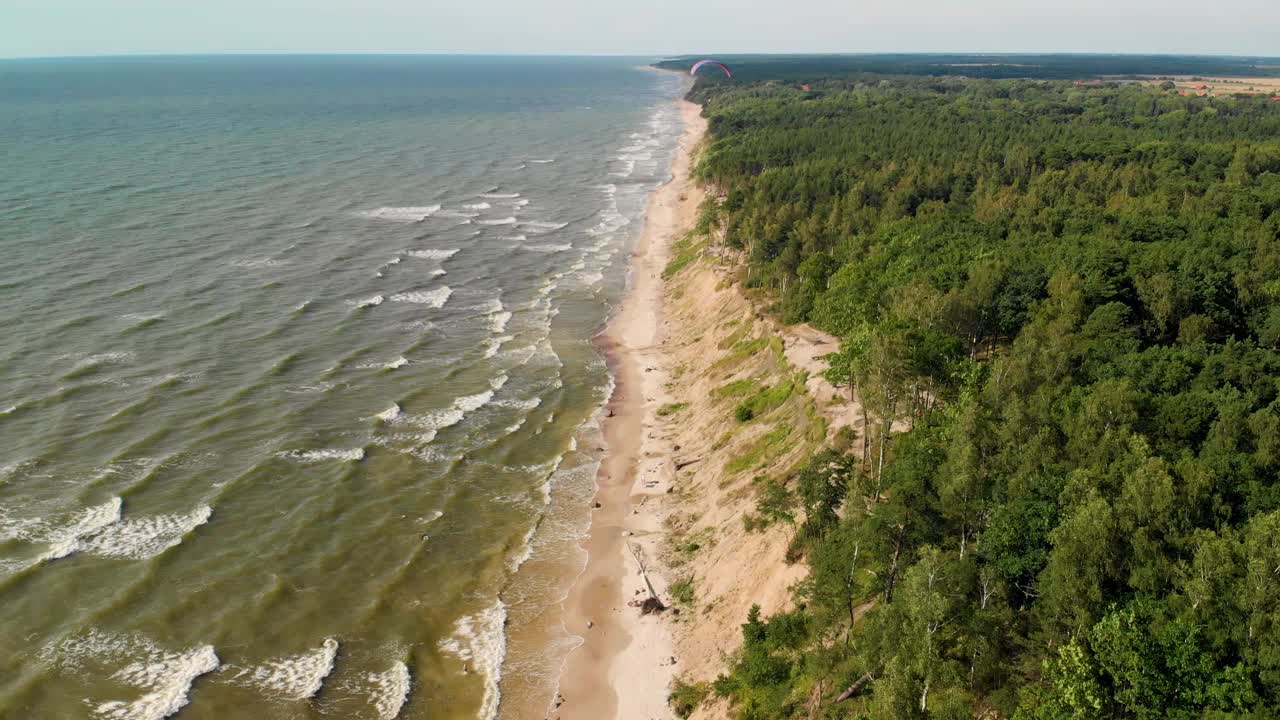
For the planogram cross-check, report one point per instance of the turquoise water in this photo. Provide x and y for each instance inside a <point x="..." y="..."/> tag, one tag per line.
<point x="297" y="391"/>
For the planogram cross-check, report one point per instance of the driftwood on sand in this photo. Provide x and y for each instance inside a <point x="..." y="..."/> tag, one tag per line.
<point x="651" y="604"/>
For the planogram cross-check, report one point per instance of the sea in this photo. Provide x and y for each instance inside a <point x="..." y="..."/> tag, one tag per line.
<point x="299" y="387"/>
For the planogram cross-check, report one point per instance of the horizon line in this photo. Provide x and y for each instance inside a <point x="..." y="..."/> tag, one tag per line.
<point x="665" y="56"/>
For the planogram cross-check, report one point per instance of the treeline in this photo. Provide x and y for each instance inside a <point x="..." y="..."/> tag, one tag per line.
<point x="804" y="68"/>
<point x="1068" y="299"/>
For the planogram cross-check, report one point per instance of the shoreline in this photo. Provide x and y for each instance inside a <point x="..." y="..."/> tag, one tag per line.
<point x="624" y="665"/>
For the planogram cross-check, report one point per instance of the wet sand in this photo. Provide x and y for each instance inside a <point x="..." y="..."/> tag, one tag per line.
<point x="623" y="667"/>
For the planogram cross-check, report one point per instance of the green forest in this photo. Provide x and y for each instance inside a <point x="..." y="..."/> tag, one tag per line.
<point x="1068" y="298"/>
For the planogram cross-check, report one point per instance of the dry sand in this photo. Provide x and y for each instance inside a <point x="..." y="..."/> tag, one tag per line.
<point x="669" y="490"/>
<point x="623" y="668"/>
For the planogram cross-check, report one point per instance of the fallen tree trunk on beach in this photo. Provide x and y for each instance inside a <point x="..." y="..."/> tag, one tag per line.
<point x="651" y="604"/>
<point x="682" y="464"/>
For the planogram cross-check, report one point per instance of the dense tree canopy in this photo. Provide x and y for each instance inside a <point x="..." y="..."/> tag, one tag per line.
<point x="1072" y="294"/>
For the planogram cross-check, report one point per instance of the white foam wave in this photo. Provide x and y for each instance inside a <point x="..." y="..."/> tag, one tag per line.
<point x="144" y="538"/>
<point x="374" y="301"/>
<point x="543" y="162"/>
<point x="142" y="317"/>
<point x="490" y="306"/>
<point x="64" y="541"/>
<point x="501" y="221"/>
<point x="397" y="363"/>
<point x="260" y="262"/>
<point x="500" y="196"/>
<point x="294" y="677"/>
<point x="516" y="238"/>
<point x="352" y="455"/>
<point x="498" y="321"/>
<point x="401" y="214"/>
<point x="470" y="403"/>
<point x="529" y="404"/>
<point x="544" y="225"/>
<point x="394" y="261"/>
<point x="434" y="254"/>
<point x="592" y="278"/>
<point x="389" y="690"/>
<point x="434" y="298"/>
<point x="481" y="640"/>
<point x="169" y="677"/>
<point x="549" y="247"/>
<point x="390" y="413"/>
<point x="524" y="552"/>
<point x="520" y="203"/>
<point x="478" y="206"/>
<point x="166" y="675"/>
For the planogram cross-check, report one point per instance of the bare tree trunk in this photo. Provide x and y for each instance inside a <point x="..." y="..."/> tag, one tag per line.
<point x="857" y="687"/>
<point x="893" y="565"/>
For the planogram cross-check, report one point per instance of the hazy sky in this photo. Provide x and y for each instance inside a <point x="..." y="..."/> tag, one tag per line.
<point x="97" y="27"/>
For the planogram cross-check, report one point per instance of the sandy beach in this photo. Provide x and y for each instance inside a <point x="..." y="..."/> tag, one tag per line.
<point x="624" y="665"/>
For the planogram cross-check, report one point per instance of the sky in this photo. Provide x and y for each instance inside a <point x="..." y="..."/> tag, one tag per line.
<point x="50" y="28"/>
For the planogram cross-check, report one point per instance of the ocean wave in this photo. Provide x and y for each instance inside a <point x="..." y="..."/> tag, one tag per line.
<point x="526" y="405"/>
<point x="481" y="640"/>
<point x="433" y="298"/>
<point x="543" y="225"/>
<point x="374" y="301"/>
<point x="64" y="541"/>
<point x="435" y="254"/>
<point x="169" y="676"/>
<point x="489" y="306"/>
<point x="294" y="677"/>
<point x="143" y="538"/>
<point x="524" y="551"/>
<point x="549" y="247"/>
<point x="260" y="262"/>
<point x="543" y="162"/>
<point x="102" y="530"/>
<point x="591" y="278"/>
<point x="477" y="206"/>
<point x="390" y="414"/>
<point x="515" y="238"/>
<point x="471" y="403"/>
<point x="401" y="214"/>
<point x="494" y="344"/>
<point x="501" y="221"/>
<point x="352" y="455"/>
<point x="165" y="675"/>
<point x="499" y="196"/>
<point x="138" y="317"/>
<point x="389" y="690"/>
<point x="498" y="321"/>
<point x="397" y="363"/>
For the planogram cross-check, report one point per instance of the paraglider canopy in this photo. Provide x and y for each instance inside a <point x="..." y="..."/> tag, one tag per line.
<point x="703" y="63"/>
